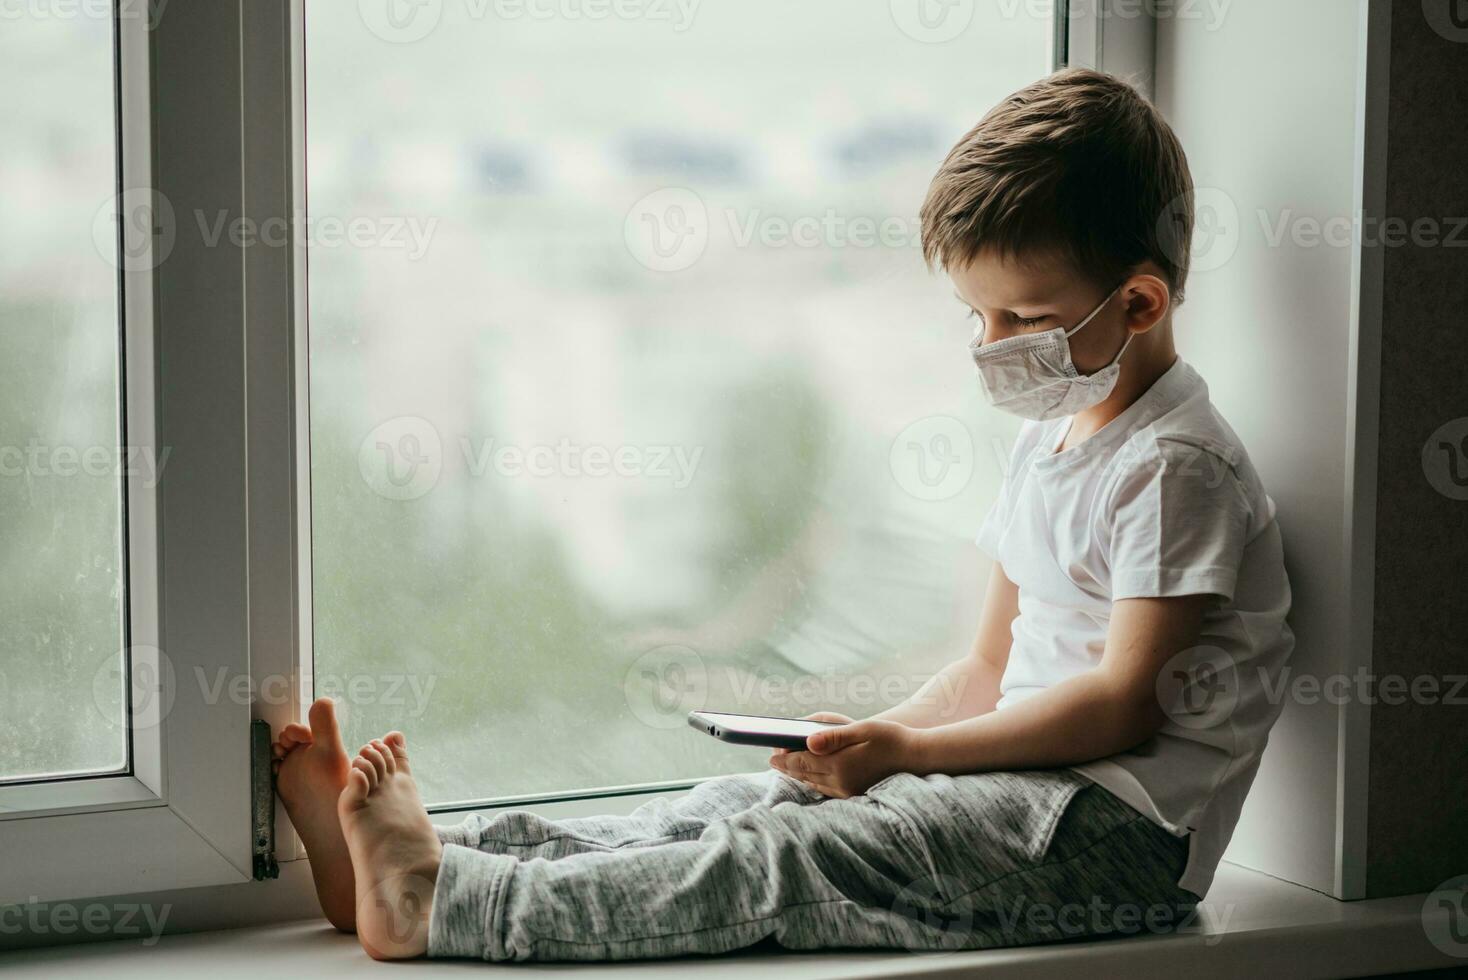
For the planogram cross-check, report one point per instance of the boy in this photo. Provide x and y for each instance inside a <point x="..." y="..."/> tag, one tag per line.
<point x="1113" y="706"/>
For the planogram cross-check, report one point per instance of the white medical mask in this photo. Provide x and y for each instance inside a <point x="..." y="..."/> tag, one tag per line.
<point x="1032" y="375"/>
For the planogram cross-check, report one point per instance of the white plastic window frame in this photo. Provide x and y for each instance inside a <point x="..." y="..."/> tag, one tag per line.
<point x="210" y="554"/>
<point x="1115" y="36"/>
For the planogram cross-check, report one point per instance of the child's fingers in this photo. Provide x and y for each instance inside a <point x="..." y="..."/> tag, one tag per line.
<point x="826" y="789"/>
<point x="801" y="765"/>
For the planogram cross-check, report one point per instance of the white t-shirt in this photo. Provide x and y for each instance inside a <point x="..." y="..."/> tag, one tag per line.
<point x="1162" y="501"/>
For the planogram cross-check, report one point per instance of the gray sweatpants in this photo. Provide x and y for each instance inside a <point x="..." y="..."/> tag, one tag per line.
<point x="936" y="863"/>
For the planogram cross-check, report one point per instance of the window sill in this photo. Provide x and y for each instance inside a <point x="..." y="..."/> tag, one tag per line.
<point x="1254" y="925"/>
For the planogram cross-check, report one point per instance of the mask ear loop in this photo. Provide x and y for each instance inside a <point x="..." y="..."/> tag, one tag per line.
<point x="1095" y="313"/>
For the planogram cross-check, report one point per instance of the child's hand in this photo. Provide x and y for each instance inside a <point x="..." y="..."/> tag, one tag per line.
<point x="830" y="717"/>
<point x="847" y="761"/>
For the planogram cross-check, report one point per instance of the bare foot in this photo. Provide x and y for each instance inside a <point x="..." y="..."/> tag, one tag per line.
<point x="310" y="772"/>
<point x="395" y="850"/>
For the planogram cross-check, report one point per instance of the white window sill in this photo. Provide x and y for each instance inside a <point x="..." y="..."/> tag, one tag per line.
<point x="1253" y="925"/>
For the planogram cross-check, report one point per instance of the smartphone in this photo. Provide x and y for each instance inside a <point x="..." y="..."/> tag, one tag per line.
<point x="777" y="733"/>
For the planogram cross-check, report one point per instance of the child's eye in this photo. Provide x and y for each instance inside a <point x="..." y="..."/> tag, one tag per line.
<point x="1030" y="321"/>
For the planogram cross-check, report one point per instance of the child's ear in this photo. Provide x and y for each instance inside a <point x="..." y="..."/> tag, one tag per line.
<point x="1146" y="299"/>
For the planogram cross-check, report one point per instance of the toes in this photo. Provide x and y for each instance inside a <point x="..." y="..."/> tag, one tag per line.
<point x="291" y="737"/>
<point x="295" y="732"/>
<point x="323" y="724"/>
<point x="398" y="745"/>
<point x="354" y="794"/>
<point x="379" y="764"/>
<point x="389" y="762"/>
<point x="366" y="768"/>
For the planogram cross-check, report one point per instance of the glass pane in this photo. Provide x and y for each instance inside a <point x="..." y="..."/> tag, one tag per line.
<point x="630" y="391"/>
<point x="61" y="601"/>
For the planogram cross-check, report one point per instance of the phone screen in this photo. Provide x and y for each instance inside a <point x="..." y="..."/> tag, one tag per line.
<point x="761" y="725"/>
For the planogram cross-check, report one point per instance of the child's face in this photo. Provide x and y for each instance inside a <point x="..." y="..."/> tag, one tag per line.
<point x="1012" y="297"/>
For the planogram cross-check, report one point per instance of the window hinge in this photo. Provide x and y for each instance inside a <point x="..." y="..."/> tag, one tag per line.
<point x="262" y="802"/>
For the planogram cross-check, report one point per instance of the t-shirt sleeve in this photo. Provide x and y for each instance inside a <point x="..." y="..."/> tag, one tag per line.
<point x="1179" y="520"/>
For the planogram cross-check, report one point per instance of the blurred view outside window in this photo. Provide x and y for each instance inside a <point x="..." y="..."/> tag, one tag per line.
<point x="61" y="604"/>
<point x="630" y="393"/>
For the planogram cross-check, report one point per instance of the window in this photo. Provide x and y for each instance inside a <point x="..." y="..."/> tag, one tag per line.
<point x="615" y="323"/>
<point x="615" y="311"/>
<point x="130" y="530"/>
<point x="62" y="664"/>
<point x="629" y="391"/>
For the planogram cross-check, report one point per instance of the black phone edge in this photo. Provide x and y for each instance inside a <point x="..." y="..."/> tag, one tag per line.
<point x="795" y="743"/>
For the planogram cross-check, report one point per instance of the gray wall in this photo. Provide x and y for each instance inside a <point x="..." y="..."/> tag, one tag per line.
<point x="1417" y="823"/>
<point x="1359" y="798"/>
<point x="1265" y="102"/>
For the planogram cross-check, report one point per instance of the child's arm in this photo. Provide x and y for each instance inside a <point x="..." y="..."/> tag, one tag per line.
<point x="969" y="687"/>
<point x="1104" y="711"/>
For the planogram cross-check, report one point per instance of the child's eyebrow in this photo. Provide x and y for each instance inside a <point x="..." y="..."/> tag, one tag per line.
<point x="1016" y="306"/>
